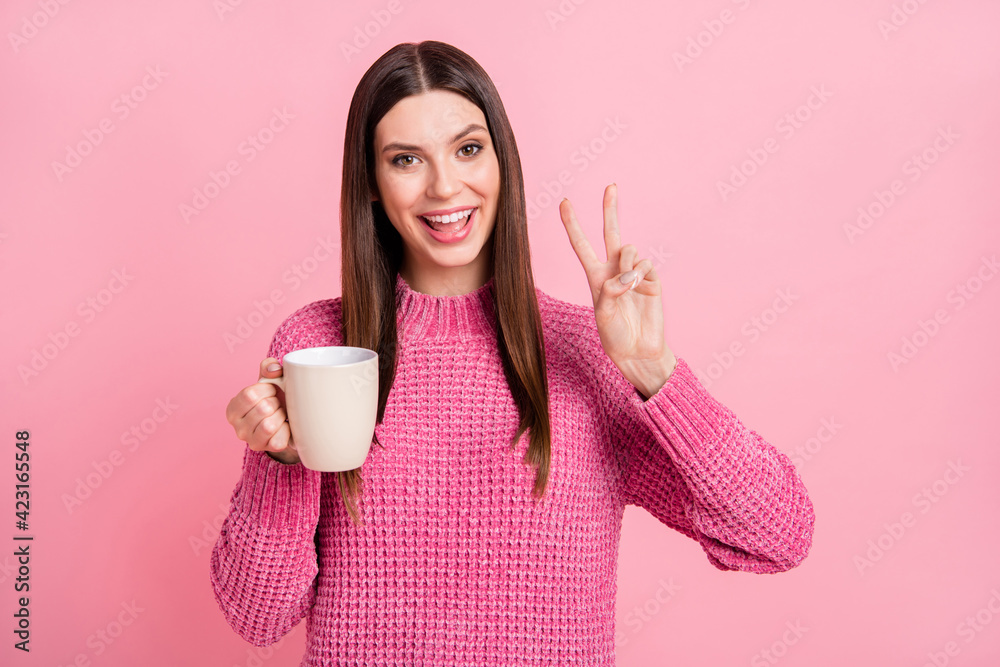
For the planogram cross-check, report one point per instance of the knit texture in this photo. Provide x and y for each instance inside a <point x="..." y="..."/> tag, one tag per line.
<point x="457" y="564"/>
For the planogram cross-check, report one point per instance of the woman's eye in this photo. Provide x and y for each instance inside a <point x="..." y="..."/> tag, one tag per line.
<point x="467" y="150"/>
<point x="476" y="146"/>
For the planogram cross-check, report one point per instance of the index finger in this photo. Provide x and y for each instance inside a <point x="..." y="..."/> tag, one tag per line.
<point x="612" y="233"/>
<point x="577" y="238"/>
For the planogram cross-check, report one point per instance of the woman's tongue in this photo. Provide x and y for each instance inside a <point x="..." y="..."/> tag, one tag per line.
<point x="447" y="227"/>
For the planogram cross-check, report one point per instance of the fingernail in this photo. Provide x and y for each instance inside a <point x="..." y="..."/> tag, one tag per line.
<point x="274" y="367"/>
<point x="629" y="277"/>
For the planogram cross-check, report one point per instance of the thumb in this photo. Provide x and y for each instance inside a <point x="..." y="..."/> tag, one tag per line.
<point x="270" y="368"/>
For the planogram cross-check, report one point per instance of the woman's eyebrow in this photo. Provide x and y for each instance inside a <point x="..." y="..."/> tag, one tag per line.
<point x="397" y="146"/>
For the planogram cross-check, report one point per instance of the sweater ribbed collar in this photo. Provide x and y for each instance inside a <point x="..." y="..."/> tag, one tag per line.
<point x="460" y="317"/>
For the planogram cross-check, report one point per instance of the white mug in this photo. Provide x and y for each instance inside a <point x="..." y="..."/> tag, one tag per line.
<point x="331" y="397"/>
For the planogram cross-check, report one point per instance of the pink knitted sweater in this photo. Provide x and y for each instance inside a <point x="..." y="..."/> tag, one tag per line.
<point x="456" y="563"/>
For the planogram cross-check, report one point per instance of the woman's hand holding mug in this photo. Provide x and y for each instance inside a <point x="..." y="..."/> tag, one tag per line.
<point x="258" y="416"/>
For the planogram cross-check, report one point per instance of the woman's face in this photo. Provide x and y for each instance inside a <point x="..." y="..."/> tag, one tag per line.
<point x="434" y="154"/>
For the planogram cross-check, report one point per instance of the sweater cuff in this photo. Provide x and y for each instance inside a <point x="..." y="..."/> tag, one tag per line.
<point x="688" y="416"/>
<point x="275" y="496"/>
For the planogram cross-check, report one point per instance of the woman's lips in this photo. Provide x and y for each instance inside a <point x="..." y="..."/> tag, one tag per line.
<point x="451" y="237"/>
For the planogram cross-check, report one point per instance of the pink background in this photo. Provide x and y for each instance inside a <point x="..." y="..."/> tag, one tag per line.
<point x="893" y="578"/>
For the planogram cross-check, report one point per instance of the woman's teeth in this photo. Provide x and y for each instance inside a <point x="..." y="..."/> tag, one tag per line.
<point x="448" y="223"/>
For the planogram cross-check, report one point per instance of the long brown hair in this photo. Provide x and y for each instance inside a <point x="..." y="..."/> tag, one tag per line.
<point x="372" y="248"/>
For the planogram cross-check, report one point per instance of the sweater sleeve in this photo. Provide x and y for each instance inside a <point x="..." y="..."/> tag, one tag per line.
<point x="691" y="463"/>
<point x="264" y="565"/>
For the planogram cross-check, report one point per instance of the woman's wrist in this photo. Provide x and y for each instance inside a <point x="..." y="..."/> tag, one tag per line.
<point x="286" y="457"/>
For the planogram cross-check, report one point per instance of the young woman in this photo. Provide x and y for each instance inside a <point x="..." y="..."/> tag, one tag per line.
<point x="513" y="428"/>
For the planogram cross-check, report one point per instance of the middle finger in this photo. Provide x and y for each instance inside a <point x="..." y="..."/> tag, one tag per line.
<point x="612" y="234"/>
<point x="626" y="261"/>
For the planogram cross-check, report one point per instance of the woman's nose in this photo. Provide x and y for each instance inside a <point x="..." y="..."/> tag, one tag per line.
<point x="444" y="183"/>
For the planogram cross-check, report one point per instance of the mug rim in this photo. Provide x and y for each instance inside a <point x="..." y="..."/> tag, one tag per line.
<point x="369" y="355"/>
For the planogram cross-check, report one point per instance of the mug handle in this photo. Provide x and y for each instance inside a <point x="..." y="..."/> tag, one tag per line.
<point x="279" y="381"/>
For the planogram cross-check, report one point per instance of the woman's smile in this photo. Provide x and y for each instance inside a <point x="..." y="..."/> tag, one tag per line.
<point x="450" y="228"/>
